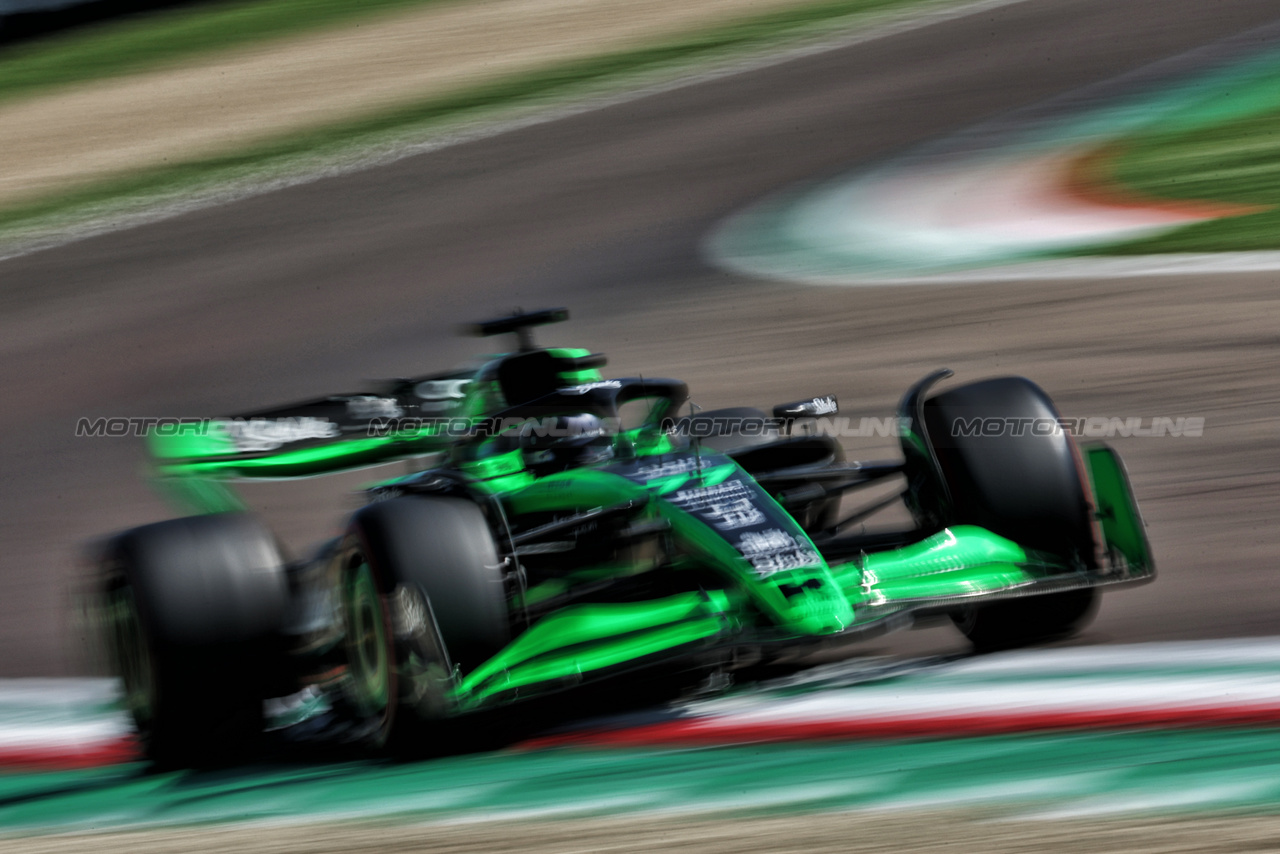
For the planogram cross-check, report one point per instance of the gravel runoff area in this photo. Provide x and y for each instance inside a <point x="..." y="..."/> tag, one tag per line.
<point x="815" y="833"/>
<point x="67" y="138"/>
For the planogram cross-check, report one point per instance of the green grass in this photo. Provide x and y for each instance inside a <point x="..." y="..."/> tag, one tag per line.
<point x="301" y="151"/>
<point x="1235" y="161"/>
<point x="1220" y="142"/>
<point x="158" y="39"/>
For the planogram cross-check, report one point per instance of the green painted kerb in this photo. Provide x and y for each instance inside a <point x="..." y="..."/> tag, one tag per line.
<point x="1080" y="774"/>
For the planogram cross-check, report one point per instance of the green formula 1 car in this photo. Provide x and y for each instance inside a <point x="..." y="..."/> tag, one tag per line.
<point x="564" y="528"/>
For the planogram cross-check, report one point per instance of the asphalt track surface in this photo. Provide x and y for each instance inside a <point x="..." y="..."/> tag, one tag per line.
<point x="313" y="289"/>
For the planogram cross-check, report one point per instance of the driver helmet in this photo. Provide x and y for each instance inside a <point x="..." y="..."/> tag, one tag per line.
<point x="565" y="442"/>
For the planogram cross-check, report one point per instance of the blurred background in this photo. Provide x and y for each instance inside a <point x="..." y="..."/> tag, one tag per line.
<point x="21" y="20"/>
<point x="209" y="208"/>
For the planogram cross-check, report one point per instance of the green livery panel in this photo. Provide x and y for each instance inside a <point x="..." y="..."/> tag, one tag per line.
<point x="1123" y="531"/>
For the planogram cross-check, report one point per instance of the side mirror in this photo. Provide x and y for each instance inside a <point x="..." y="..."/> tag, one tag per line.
<point x="811" y="408"/>
<point x="814" y="407"/>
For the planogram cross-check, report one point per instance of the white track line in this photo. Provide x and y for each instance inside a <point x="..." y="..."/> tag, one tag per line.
<point x="1141" y="685"/>
<point x="1199" y="682"/>
<point x="986" y="204"/>
<point x="1095" y="267"/>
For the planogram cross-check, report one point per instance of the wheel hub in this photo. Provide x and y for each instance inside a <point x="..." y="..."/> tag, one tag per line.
<point x="367" y="644"/>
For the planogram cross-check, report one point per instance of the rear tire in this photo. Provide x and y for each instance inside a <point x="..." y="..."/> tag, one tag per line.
<point x="424" y="601"/>
<point x="1023" y="484"/>
<point x="193" y="609"/>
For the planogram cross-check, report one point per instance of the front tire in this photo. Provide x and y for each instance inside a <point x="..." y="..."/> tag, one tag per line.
<point x="1033" y="619"/>
<point x="1022" y="482"/>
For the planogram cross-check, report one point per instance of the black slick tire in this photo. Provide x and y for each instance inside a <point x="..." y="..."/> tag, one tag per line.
<point x="424" y="602"/>
<point x="193" y="609"/>
<point x="1006" y="471"/>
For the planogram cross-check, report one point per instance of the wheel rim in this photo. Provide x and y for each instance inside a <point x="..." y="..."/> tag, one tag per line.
<point x="132" y="656"/>
<point x="367" y="651"/>
<point x="425" y="675"/>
